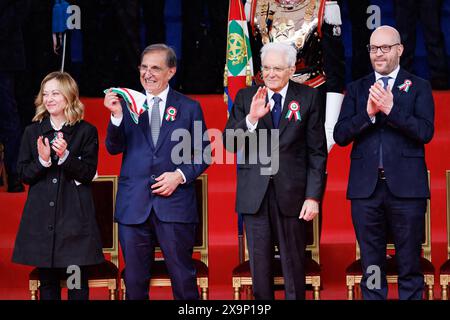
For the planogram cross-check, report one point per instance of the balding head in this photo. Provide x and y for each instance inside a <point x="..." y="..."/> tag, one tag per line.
<point x="385" y="49"/>
<point x="387" y="33"/>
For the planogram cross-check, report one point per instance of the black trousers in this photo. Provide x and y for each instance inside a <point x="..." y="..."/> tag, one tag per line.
<point x="404" y="218"/>
<point x="50" y="288"/>
<point x="407" y="14"/>
<point x="10" y="127"/>
<point x="357" y="12"/>
<point x="266" y="228"/>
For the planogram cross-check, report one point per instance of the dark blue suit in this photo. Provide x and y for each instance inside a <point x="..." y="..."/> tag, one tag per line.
<point x="397" y="203"/>
<point x="146" y="220"/>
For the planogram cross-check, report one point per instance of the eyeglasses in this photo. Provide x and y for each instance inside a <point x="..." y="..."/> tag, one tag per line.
<point x="153" y="70"/>
<point x="275" y="69"/>
<point x="384" y="48"/>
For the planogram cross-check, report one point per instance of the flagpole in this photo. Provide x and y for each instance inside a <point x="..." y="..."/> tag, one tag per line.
<point x="64" y="53"/>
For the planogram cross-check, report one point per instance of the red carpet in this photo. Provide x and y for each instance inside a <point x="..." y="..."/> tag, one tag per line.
<point x="337" y="242"/>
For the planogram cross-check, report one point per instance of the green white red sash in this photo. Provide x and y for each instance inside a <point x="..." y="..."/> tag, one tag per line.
<point x="136" y="101"/>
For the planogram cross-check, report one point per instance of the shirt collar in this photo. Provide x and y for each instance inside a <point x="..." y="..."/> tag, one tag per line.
<point x="392" y="75"/>
<point x="162" y="95"/>
<point x="283" y="92"/>
<point x="54" y="125"/>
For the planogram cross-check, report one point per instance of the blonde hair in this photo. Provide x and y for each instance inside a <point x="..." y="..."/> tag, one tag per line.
<point x="74" y="110"/>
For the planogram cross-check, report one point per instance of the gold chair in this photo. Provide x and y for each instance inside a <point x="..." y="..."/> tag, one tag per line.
<point x="160" y="275"/>
<point x="242" y="278"/>
<point x="106" y="274"/>
<point x="444" y="271"/>
<point x="354" y="270"/>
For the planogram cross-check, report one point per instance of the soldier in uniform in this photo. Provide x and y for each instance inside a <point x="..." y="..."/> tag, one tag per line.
<point x="313" y="27"/>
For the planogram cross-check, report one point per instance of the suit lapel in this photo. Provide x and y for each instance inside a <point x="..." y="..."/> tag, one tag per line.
<point x="401" y="77"/>
<point x="290" y="96"/>
<point x="293" y="94"/>
<point x="167" y="126"/>
<point x="267" y="119"/>
<point x="145" y="127"/>
<point x="368" y="81"/>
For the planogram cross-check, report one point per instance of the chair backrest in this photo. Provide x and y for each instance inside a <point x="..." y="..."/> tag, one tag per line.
<point x="426" y="237"/>
<point x="104" y="190"/>
<point x="201" y="237"/>
<point x="312" y="240"/>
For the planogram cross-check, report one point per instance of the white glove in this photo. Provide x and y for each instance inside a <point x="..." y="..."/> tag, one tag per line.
<point x="333" y="108"/>
<point x="332" y="14"/>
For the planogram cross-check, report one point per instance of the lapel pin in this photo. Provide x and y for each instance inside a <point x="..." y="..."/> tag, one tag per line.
<point x="57" y="135"/>
<point x="171" y="114"/>
<point x="405" y="85"/>
<point x="294" y="111"/>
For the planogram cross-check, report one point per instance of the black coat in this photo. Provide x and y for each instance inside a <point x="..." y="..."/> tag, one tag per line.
<point x="12" y="50"/>
<point x="58" y="226"/>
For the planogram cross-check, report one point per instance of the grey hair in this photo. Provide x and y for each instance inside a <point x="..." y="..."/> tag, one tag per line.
<point x="171" y="57"/>
<point x="289" y="52"/>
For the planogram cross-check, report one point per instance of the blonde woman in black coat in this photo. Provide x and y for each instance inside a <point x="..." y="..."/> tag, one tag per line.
<point x="58" y="160"/>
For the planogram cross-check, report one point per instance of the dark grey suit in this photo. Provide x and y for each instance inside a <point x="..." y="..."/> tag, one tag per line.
<point x="271" y="203"/>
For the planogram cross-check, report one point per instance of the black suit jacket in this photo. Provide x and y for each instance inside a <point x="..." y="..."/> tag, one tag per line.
<point x="403" y="134"/>
<point x="301" y="148"/>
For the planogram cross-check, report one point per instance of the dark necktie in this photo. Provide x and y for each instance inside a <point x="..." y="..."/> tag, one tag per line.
<point x="380" y="117"/>
<point x="276" y="110"/>
<point x="385" y="81"/>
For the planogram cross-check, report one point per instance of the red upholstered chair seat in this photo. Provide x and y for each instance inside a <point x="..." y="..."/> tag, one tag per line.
<point x="105" y="270"/>
<point x="445" y="268"/>
<point x="159" y="269"/>
<point x="391" y="267"/>
<point x="312" y="268"/>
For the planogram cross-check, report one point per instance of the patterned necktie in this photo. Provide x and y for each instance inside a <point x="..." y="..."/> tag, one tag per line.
<point x="276" y="110"/>
<point x="155" y="121"/>
<point x="380" y="117"/>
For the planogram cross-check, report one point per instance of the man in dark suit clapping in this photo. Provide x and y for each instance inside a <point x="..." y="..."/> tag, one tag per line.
<point x="389" y="117"/>
<point x="282" y="120"/>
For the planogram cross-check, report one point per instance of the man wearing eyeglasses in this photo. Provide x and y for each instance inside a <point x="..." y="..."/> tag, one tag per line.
<point x="276" y="203"/>
<point x="156" y="201"/>
<point x="389" y="117"/>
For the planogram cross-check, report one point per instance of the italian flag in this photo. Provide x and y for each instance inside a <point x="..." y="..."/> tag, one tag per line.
<point x="239" y="63"/>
